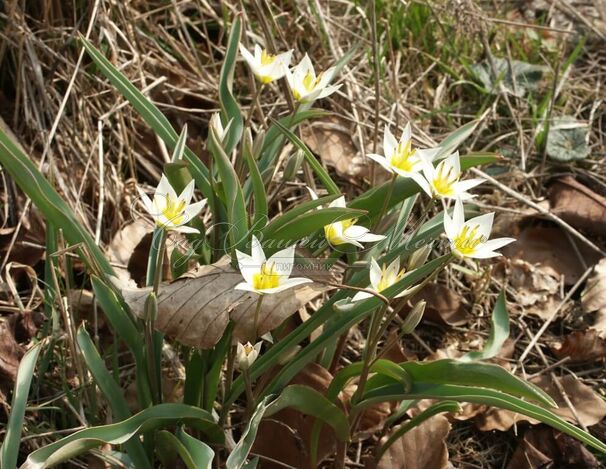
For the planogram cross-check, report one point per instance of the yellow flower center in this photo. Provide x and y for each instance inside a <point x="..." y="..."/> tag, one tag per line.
<point x="404" y="157"/>
<point x="266" y="58"/>
<point x="334" y="235"/>
<point x="173" y="210"/>
<point x="266" y="278"/>
<point x="248" y="349"/>
<point x="444" y="180"/>
<point x="388" y="280"/>
<point x="309" y="82"/>
<point x="467" y="241"/>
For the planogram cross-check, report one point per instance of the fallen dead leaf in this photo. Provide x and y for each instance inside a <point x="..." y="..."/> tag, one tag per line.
<point x="127" y="249"/>
<point x="332" y="141"/>
<point x="590" y="408"/>
<point x="544" y="447"/>
<point x="548" y="248"/>
<point x="582" y="346"/>
<point x="195" y="308"/>
<point x="593" y="297"/>
<point x="443" y="305"/>
<point x="423" y="447"/>
<point x="10" y="355"/>
<point x="537" y="288"/>
<point x="578" y="205"/>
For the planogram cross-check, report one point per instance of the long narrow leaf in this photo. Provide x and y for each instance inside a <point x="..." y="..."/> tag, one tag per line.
<point x="260" y="218"/>
<point x="10" y="448"/>
<point x="159" y="416"/>
<point x="229" y="106"/>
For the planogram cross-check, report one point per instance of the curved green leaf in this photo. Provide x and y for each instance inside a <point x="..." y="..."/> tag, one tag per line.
<point x="260" y="196"/>
<point x="229" y="106"/>
<point x="10" y="447"/>
<point x="322" y="174"/>
<point x="159" y="416"/>
<point x="440" y="407"/>
<point x="234" y="197"/>
<point x="31" y="181"/>
<point x="481" y="396"/>
<point x="151" y="114"/>
<point x="237" y="458"/>
<point x="499" y="332"/>
<point x="310" y="402"/>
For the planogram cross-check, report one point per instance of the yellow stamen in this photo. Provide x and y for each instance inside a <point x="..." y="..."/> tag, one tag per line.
<point x="444" y="180"/>
<point x="267" y="59"/>
<point x="309" y="82"/>
<point x="467" y="241"/>
<point x="388" y="280"/>
<point x="332" y="231"/>
<point x="266" y="278"/>
<point x="174" y="210"/>
<point x="248" y="348"/>
<point x="404" y="157"/>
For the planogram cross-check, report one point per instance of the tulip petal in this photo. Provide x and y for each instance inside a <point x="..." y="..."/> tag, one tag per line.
<point x="381" y="160"/>
<point x="257" y="251"/>
<point x="248" y="266"/>
<point x="188" y="192"/>
<point x="283" y="261"/>
<point x="389" y="143"/>
<point x="374" y="273"/>
<point x="484" y="224"/>
<point x="286" y="284"/>
<point x="406" y="134"/>
<point x="185" y="229"/>
<point x="361" y="295"/>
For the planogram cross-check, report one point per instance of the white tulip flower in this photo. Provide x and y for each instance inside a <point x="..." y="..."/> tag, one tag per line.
<point x="306" y="86"/>
<point x="382" y="278"/>
<point x="401" y="158"/>
<point x="170" y="211"/>
<point x="443" y="180"/>
<point x="265" y="66"/>
<point x="346" y="231"/>
<point x="266" y="276"/>
<point x="246" y="354"/>
<point x="470" y="238"/>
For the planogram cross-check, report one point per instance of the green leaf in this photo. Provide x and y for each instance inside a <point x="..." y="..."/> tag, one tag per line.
<point x="567" y="140"/>
<point x="112" y="392"/>
<point x="453" y="140"/>
<point x="55" y="210"/>
<point x="121" y="322"/>
<point x="486" y="397"/>
<point x="260" y="218"/>
<point x="194" y="453"/>
<point x="151" y="114"/>
<point x="499" y="332"/>
<point x="311" y="222"/>
<point x="10" y="448"/>
<point x="274" y="138"/>
<point x="322" y="174"/>
<point x="236" y="207"/>
<point x="451" y="371"/>
<point x="278" y="223"/>
<point x="237" y="458"/>
<point x="440" y="407"/>
<point x="229" y="106"/>
<point x="310" y="402"/>
<point x="150" y="419"/>
<point x="356" y="315"/>
<point x="516" y="76"/>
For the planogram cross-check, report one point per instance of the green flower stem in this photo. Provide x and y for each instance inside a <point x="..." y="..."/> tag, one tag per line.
<point x="153" y="278"/>
<point x="229" y="378"/>
<point x="386" y="201"/>
<point x="257" y="310"/>
<point x="250" y="397"/>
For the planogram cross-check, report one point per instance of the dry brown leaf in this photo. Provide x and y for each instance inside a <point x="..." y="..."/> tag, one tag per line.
<point x="423" y="447"/>
<point x="10" y="355"/>
<point x="545" y="447"/>
<point x="593" y="297"/>
<point x="443" y="305"/>
<point x="292" y="430"/>
<point x="549" y="249"/>
<point x="582" y="346"/>
<point x="195" y="308"/>
<point x="536" y="288"/>
<point x="123" y="247"/>
<point x="332" y="141"/>
<point x="589" y="406"/>
<point x="578" y="205"/>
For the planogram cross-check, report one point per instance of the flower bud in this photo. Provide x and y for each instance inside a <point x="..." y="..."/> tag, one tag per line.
<point x="418" y="258"/>
<point x="247" y="354"/>
<point x="292" y="166"/>
<point x="414" y="317"/>
<point x="150" y="309"/>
